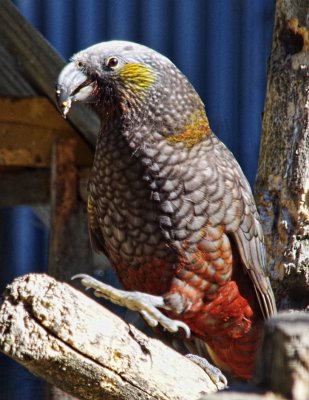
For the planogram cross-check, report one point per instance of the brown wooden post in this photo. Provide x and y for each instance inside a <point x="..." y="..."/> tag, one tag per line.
<point x="282" y="185"/>
<point x="69" y="248"/>
<point x="69" y="251"/>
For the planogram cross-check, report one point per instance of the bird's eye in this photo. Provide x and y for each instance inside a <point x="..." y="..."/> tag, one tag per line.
<point x="112" y="62"/>
<point x="79" y="64"/>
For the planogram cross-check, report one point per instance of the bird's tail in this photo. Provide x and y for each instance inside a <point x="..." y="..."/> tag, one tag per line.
<point x="236" y="356"/>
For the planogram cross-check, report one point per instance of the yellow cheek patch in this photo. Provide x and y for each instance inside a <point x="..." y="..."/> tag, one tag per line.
<point x="196" y="130"/>
<point x="138" y="76"/>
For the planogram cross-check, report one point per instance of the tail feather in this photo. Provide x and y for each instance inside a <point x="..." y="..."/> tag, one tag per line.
<point x="236" y="356"/>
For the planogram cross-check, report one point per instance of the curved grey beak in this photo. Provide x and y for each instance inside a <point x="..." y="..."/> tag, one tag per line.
<point x="73" y="85"/>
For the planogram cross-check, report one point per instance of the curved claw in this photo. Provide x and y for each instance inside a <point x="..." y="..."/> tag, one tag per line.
<point x="80" y="276"/>
<point x="155" y="317"/>
<point x="148" y="305"/>
<point x="213" y="372"/>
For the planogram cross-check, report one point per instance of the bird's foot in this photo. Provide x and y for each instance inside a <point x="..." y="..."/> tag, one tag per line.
<point x="213" y="372"/>
<point x="147" y="304"/>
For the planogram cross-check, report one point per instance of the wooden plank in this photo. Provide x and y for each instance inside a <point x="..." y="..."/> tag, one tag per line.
<point x="30" y="186"/>
<point x="39" y="64"/>
<point x="28" y="129"/>
<point x="24" y="186"/>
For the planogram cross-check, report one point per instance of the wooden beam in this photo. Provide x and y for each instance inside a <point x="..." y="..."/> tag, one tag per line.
<point x="39" y="63"/>
<point x="69" y="246"/>
<point x="12" y="82"/>
<point x="32" y="186"/>
<point x="24" y="186"/>
<point x="28" y="129"/>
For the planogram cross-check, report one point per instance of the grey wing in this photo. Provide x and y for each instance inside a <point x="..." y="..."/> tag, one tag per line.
<point x="242" y="221"/>
<point x="250" y="241"/>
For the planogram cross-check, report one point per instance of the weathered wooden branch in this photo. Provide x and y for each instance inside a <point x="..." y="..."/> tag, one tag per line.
<point x="282" y="186"/>
<point x="74" y="343"/>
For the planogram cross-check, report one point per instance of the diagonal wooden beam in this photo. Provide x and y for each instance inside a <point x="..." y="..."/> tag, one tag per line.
<point x="39" y="63"/>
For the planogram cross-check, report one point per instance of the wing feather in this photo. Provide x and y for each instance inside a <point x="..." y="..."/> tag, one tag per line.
<point x="245" y="226"/>
<point x="250" y="242"/>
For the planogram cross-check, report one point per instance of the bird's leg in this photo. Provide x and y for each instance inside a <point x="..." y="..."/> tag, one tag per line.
<point x="213" y="372"/>
<point x="147" y="304"/>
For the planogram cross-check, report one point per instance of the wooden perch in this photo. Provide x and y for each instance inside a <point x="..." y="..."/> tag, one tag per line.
<point x="74" y="343"/>
<point x="283" y="364"/>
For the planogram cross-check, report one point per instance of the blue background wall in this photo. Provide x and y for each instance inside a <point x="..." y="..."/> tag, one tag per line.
<point x="221" y="45"/>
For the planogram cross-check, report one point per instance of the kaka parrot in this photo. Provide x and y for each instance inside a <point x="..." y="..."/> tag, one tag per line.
<point x="169" y="204"/>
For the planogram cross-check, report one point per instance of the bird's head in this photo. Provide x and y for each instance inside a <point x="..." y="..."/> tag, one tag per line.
<point x="130" y="79"/>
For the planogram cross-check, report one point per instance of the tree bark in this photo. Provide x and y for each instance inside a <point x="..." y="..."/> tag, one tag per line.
<point x="283" y="363"/>
<point x="75" y="344"/>
<point x="282" y="185"/>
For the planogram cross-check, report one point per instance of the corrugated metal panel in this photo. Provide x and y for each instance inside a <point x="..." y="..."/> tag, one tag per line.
<point x="23" y="249"/>
<point x="20" y="232"/>
<point x="221" y="45"/>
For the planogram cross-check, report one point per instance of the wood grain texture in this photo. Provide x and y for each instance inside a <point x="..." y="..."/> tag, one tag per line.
<point x="74" y="343"/>
<point x="29" y="127"/>
<point x="282" y="185"/>
<point x="283" y="364"/>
